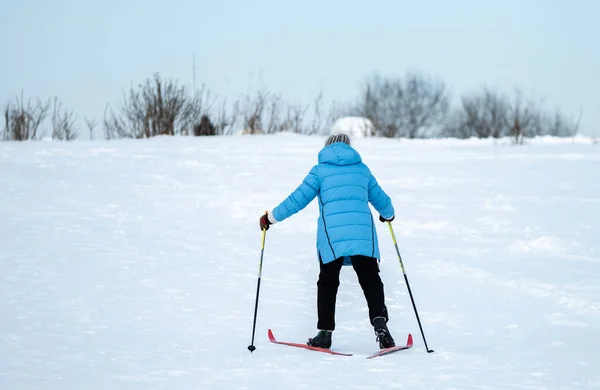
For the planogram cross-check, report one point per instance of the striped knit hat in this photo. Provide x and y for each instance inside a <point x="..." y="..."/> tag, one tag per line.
<point x="337" y="138"/>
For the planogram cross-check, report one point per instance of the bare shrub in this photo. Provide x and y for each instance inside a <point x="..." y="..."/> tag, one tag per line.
<point x="482" y="115"/>
<point x="226" y="122"/>
<point x="295" y="118"/>
<point x="525" y="119"/>
<point x="491" y="114"/>
<point x="268" y="113"/>
<point x="91" y="125"/>
<point x="317" y="119"/>
<point x="556" y="124"/>
<point x="23" y="120"/>
<point x="382" y="102"/>
<point x="274" y="113"/>
<point x="415" y="106"/>
<point x="426" y="105"/>
<point x="252" y="112"/>
<point x="195" y="108"/>
<point x="156" y="107"/>
<point x="63" y="123"/>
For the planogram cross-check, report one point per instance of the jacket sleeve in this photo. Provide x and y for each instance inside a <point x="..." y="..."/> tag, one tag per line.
<point x="379" y="199"/>
<point x="298" y="199"/>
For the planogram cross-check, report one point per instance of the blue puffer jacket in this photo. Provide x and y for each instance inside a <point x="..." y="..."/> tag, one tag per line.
<point x="344" y="187"/>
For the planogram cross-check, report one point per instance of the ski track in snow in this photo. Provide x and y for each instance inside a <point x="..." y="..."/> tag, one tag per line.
<point x="133" y="265"/>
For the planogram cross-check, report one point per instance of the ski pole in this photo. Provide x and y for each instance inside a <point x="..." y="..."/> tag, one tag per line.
<point x="408" y="286"/>
<point x="251" y="347"/>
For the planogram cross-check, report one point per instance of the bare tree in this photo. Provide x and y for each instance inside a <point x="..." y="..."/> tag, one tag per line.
<point x="491" y="114"/>
<point x="484" y="114"/>
<point x="91" y="124"/>
<point x="556" y="124"/>
<point x="156" y="107"/>
<point x="22" y="120"/>
<point x="382" y="102"/>
<point x="524" y="118"/>
<point x="455" y="126"/>
<point x="414" y="106"/>
<point x="426" y="105"/>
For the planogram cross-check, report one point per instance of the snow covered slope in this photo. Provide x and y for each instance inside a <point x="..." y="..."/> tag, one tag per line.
<point x="133" y="265"/>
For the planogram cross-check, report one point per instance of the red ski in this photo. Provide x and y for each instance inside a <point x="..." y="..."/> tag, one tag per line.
<point x="385" y="351"/>
<point x="381" y="352"/>
<point x="273" y="340"/>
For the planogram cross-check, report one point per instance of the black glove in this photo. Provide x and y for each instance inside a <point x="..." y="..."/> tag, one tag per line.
<point x="386" y="220"/>
<point x="264" y="222"/>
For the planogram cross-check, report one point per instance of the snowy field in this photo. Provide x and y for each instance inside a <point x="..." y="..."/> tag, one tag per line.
<point x="133" y="265"/>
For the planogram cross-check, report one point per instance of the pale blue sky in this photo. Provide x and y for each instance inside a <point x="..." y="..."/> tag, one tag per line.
<point x="87" y="52"/>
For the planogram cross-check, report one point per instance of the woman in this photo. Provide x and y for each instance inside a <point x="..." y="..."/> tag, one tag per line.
<point x="346" y="233"/>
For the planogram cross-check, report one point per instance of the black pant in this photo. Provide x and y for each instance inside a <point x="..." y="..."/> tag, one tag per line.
<point x="367" y="271"/>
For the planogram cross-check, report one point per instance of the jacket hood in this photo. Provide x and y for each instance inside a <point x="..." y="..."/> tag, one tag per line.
<point x="339" y="153"/>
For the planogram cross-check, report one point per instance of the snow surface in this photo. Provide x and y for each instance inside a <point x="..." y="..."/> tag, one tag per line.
<point x="133" y="265"/>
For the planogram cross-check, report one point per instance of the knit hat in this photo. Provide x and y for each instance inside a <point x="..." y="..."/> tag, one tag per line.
<point x="337" y="138"/>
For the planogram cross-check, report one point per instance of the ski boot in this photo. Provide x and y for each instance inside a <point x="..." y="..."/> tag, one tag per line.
<point x="384" y="337"/>
<point x="321" y="340"/>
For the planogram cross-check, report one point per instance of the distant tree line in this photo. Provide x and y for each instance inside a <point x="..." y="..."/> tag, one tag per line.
<point x="412" y="106"/>
<point x="417" y="106"/>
